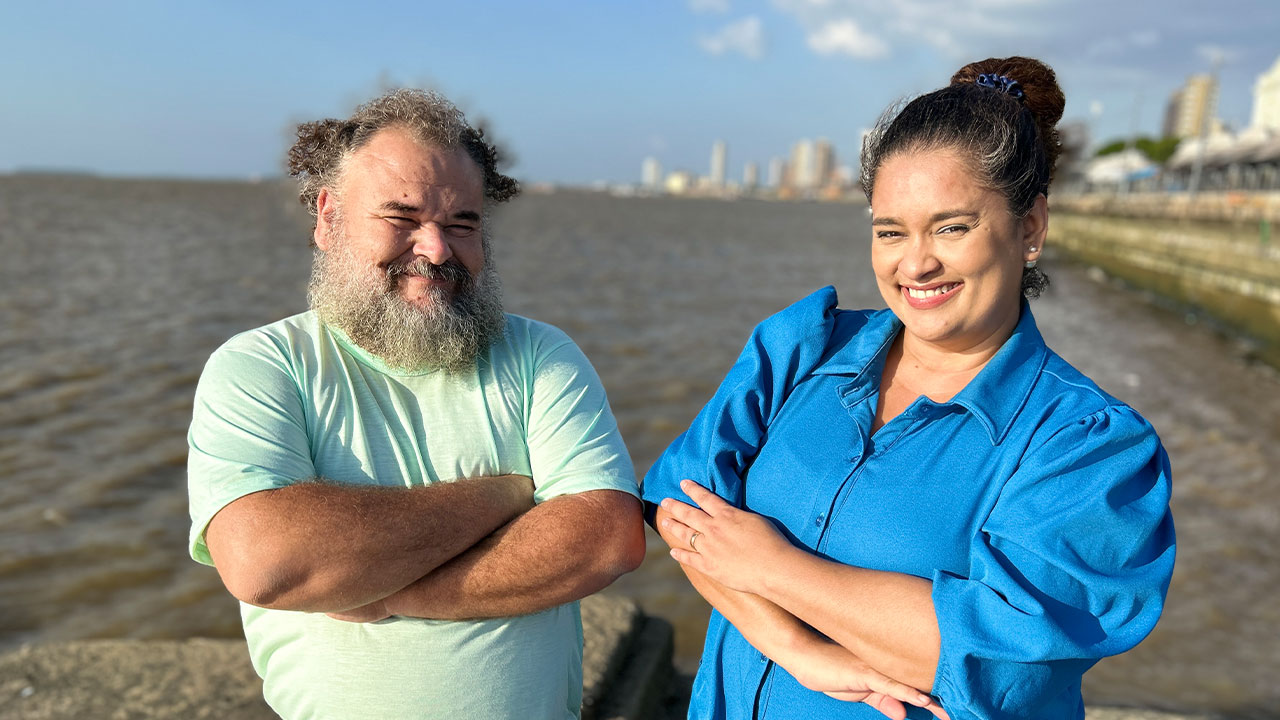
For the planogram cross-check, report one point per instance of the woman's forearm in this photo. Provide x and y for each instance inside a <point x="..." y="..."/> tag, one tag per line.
<point x="885" y="618"/>
<point x="768" y="628"/>
<point x="815" y="662"/>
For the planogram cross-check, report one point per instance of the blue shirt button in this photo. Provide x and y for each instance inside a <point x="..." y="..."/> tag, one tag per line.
<point x="817" y="522"/>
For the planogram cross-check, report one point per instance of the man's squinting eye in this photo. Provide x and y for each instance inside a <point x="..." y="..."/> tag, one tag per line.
<point x="954" y="229"/>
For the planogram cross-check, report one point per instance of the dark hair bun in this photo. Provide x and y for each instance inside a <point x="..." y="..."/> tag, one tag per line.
<point x="1041" y="94"/>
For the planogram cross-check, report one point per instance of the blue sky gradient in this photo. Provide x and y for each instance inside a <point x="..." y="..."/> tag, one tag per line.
<point x="579" y="91"/>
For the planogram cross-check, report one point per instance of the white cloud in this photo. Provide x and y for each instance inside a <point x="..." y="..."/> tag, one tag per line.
<point x="940" y="38"/>
<point x="941" y="23"/>
<point x="709" y="6"/>
<point x="954" y="27"/>
<point x="1116" y="45"/>
<point x="1217" y="54"/>
<point x="1006" y="4"/>
<point x="745" y="36"/>
<point x="844" y="36"/>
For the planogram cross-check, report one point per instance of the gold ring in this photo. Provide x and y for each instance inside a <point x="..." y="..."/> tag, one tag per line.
<point x="693" y="541"/>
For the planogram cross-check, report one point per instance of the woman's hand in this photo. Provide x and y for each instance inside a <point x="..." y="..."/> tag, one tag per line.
<point x="736" y="548"/>
<point x="827" y="668"/>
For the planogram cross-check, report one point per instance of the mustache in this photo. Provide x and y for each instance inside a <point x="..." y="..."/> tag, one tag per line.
<point x="450" y="270"/>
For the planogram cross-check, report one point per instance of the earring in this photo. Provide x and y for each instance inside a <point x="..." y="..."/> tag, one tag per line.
<point x="1031" y="263"/>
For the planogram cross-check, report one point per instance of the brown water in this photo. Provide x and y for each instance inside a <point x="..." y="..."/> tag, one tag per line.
<point x="112" y="294"/>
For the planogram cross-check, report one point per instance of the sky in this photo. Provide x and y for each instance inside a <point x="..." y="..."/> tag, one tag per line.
<point x="575" y="91"/>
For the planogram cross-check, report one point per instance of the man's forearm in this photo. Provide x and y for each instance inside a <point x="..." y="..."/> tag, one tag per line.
<point x="317" y="546"/>
<point x="562" y="550"/>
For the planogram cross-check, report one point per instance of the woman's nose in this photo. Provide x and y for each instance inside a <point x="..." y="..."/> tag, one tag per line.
<point x="919" y="260"/>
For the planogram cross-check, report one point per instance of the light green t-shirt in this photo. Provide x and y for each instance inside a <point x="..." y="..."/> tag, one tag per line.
<point x="296" y="400"/>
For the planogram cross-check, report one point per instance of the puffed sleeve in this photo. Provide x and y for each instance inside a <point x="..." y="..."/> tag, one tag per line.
<point x="728" y="432"/>
<point x="1072" y="566"/>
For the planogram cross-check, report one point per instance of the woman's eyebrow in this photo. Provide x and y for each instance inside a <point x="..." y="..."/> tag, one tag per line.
<point x="937" y="217"/>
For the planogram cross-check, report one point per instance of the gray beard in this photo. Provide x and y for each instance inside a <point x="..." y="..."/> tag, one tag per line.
<point x="449" y="334"/>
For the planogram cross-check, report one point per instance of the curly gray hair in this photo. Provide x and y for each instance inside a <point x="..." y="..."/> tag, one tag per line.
<point x="320" y="154"/>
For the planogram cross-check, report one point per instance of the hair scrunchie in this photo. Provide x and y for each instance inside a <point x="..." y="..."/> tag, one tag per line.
<point x="1000" y="83"/>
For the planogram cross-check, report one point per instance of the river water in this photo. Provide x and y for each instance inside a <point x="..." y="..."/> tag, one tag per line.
<point x="113" y="293"/>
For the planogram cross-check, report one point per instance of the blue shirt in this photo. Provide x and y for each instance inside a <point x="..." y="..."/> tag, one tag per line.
<point x="1036" y="504"/>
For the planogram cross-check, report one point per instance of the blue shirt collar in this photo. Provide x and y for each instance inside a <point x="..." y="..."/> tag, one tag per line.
<point x="994" y="397"/>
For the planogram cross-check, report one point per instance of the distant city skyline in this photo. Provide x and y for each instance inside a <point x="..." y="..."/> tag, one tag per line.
<point x="579" y="92"/>
<point x="810" y="171"/>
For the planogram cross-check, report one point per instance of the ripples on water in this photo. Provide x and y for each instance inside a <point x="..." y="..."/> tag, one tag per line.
<point x="113" y="293"/>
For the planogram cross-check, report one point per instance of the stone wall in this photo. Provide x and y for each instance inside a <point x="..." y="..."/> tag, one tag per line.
<point x="627" y="675"/>
<point x="1235" y="207"/>
<point x="1229" y="270"/>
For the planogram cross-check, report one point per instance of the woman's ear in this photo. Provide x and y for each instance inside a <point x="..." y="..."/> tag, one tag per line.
<point x="1035" y="229"/>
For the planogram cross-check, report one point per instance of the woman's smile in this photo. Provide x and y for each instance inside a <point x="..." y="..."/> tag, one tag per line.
<point x="947" y="254"/>
<point x="931" y="296"/>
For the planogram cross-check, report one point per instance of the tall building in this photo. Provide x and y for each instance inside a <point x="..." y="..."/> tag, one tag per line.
<point x="1170" y="127"/>
<point x="824" y="163"/>
<point x="651" y="173"/>
<point x="777" y="171"/>
<point x="679" y="182"/>
<point x="719" y="163"/>
<point x="1192" y="108"/>
<point x="750" y="176"/>
<point x="1266" y="99"/>
<point x="803" y="166"/>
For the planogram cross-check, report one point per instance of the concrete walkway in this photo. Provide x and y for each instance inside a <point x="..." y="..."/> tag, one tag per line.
<point x="627" y="675"/>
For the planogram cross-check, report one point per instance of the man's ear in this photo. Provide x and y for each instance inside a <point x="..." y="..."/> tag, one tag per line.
<point x="326" y="212"/>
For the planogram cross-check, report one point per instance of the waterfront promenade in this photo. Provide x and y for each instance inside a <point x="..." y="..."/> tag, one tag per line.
<point x="1216" y="253"/>
<point x="627" y="675"/>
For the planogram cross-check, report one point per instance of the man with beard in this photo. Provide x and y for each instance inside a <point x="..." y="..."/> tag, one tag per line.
<point x="407" y="489"/>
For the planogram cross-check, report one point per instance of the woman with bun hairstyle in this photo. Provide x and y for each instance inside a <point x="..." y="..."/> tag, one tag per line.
<point x="922" y="509"/>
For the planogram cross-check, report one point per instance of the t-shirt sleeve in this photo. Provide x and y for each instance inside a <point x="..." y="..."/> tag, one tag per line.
<point x="728" y="432"/>
<point x="574" y="442"/>
<point x="247" y="433"/>
<point x="1072" y="566"/>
